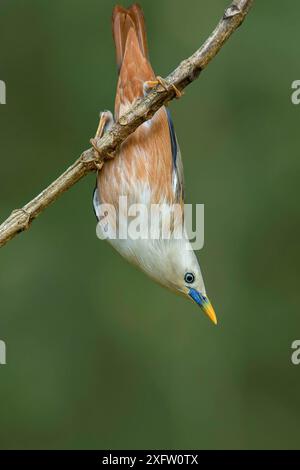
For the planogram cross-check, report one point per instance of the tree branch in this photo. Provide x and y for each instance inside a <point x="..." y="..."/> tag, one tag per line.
<point x="139" y="112"/>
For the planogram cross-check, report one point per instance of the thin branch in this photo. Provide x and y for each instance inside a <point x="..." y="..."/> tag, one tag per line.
<point x="139" y="112"/>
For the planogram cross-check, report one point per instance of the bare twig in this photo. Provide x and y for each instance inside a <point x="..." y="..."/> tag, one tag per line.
<point x="142" y="110"/>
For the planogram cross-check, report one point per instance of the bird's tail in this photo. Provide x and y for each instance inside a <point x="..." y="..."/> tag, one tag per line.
<point x="123" y="21"/>
<point x="132" y="56"/>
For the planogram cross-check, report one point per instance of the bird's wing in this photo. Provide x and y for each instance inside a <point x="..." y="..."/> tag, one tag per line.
<point x="177" y="173"/>
<point x="96" y="203"/>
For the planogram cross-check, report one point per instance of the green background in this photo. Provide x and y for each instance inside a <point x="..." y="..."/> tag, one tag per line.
<point x="98" y="356"/>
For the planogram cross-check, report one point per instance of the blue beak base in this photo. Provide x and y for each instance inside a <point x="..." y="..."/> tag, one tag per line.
<point x="197" y="297"/>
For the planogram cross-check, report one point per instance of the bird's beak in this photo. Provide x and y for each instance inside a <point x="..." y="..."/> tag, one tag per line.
<point x="209" y="311"/>
<point x="204" y="304"/>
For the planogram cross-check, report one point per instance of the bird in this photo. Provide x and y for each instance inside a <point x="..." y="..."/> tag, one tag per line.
<point x="147" y="170"/>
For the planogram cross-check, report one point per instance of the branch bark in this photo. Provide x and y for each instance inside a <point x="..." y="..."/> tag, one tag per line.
<point x="141" y="111"/>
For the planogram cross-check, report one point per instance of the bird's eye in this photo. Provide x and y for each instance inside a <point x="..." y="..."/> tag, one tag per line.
<point x="189" y="278"/>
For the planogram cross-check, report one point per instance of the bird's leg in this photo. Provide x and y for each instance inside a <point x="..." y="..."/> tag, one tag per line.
<point x="150" y="84"/>
<point x="106" y="121"/>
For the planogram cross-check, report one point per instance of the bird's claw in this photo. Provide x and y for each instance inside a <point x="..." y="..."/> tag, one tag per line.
<point x="105" y="123"/>
<point x="150" y="84"/>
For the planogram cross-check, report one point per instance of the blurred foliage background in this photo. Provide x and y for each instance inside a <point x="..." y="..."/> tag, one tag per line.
<point x="98" y="356"/>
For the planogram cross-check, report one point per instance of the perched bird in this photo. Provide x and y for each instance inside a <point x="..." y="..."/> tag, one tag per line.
<point x="146" y="170"/>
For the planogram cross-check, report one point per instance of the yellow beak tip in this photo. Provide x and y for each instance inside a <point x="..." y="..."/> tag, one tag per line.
<point x="211" y="313"/>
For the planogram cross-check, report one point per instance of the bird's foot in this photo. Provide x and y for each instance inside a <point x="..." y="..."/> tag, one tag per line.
<point x="150" y="84"/>
<point x="106" y="121"/>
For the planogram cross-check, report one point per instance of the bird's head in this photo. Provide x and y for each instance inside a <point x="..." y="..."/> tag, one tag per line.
<point x="173" y="264"/>
<point x="186" y="277"/>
